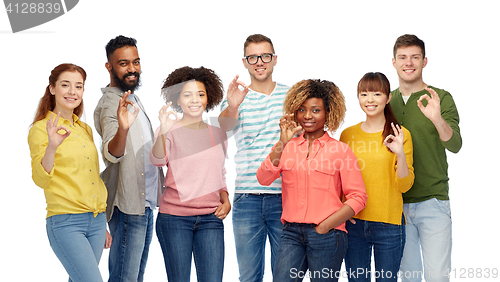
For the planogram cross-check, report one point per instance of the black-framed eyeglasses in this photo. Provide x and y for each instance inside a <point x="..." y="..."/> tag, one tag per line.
<point x="265" y="58"/>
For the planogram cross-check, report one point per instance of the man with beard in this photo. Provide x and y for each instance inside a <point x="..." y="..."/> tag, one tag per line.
<point x="132" y="181"/>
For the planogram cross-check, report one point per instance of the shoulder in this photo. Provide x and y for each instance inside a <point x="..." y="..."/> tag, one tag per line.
<point x="217" y="131"/>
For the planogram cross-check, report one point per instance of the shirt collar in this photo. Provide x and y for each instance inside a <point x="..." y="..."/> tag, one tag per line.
<point x="62" y="120"/>
<point x="322" y="140"/>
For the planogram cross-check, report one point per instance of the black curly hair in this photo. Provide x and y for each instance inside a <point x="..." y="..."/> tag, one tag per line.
<point x="175" y="81"/>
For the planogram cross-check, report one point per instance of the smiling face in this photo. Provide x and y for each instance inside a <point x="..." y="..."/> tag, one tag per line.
<point x="260" y="71"/>
<point x="193" y="100"/>
<point x="311" y="115"/>
<point x="373" y="102"/>
<point x="124" y="66"/>
<point x="409" y="63"/>
<point x="68" y="93"/>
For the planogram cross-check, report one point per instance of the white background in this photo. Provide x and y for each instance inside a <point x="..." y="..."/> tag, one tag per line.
<point x="313" y="39"/>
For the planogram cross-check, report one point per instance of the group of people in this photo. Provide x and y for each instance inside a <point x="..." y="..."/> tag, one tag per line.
<point x="382" y="188"/>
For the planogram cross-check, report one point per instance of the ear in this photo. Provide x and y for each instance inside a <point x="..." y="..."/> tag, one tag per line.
<point x="244" y="63"/>
<point x="394" y="62"/>
<point x="389" y="98"/>
<point x="275" y="60"/>
<point x="52" y="90"/>
<point x="108" y="67"/>
<point x="425" y="62"/>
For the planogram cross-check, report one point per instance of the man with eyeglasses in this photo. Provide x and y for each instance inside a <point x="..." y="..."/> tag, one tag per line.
<point x="252" y="113"/>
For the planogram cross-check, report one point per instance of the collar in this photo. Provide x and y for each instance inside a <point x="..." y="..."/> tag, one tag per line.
<point x="322" y="140"/>
<point x="62" y="120"/>
<point x="114" y="90"/>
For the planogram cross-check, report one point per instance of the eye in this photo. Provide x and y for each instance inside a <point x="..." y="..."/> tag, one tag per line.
<point x="301" y="110"/>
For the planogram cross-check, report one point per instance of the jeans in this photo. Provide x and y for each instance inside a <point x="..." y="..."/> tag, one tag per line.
<point x="132" y="235"/>
<point x="428" y="236"/>
<point x="78" y="241"/>
<point x="387" y="241"/>
<point x="183" y="237"/>
<point x="256" y="217"/>
<point x="303" y="248"/>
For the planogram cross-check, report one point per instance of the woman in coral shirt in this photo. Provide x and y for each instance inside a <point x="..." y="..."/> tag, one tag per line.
<point x="317" y="171"/>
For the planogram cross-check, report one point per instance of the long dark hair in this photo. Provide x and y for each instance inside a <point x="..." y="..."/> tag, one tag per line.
<point x="48" y="101"/>
<point x="377" y="81"/>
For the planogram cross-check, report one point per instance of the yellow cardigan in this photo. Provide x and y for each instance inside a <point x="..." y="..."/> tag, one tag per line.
<point x="73" y="185"/>
<point x="378" y="167"/>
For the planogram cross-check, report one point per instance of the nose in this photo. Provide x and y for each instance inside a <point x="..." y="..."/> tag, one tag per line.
<point x="308" y="115"/>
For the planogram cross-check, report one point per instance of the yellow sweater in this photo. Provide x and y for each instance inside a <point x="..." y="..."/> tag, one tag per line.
<point x="378" y="167"/>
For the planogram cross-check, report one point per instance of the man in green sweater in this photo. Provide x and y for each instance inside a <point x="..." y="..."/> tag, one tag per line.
<point x="431" y="116"/>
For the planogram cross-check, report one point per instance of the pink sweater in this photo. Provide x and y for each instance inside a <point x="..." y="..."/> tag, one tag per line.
<point x="196" y="173"/>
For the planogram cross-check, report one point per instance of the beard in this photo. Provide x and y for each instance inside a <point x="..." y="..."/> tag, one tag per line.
<point x="122" y="83"/>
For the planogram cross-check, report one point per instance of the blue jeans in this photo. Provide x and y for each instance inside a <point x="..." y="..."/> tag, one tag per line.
<point x="428" y="235"/>
<point x="303" y="248"/>
<point x="256" y="217"/>
<point x="78" y="241"/>
<point x="183" y="237"/>
<point x="387" y="241"/>
<point x="129" y="251"/>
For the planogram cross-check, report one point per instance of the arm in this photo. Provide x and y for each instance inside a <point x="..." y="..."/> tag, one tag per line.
<point x="395" y="143"/>
<point x="116" y="146"/>
<point x="433" y="112"/>
<point x="336" y="219"/>
<point x="55" y="139"/>
<point x="288" y="129"/>
<point x="229" y="116"/>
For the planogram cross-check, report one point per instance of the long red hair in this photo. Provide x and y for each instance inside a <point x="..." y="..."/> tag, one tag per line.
<point x="48" y="101"/>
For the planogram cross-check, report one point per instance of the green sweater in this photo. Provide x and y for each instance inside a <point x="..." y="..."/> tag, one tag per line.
<point x="429" y="155"/>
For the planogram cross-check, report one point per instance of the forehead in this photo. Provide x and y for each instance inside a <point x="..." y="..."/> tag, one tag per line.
<point x="128" y="53"/>
<point x="409" y="51"/>
<point x="258" y="48"/>
<point x="71" y="76"/>
<point x="313" y="102"/>
<point x="193" y="86"/>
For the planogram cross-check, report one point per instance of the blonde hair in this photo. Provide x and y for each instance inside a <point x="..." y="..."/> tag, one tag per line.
<point x="333" y="100"/>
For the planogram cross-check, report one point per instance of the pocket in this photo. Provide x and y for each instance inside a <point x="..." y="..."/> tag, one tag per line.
<point x="321" y="177"/>
<point x="58" y="219"/>
<point x="444" y="206"/>
<point x="238" y="197"/>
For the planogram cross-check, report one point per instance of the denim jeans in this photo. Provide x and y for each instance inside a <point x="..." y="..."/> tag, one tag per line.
<point x="132" y="235"/>
<point x="256" y="217"/>
<point x="428" y="236"/>
<point x="387" y="241"/>
<point x="78" y="241"/>
<point x="184" y="237"/>
<point x="303" y="248"/>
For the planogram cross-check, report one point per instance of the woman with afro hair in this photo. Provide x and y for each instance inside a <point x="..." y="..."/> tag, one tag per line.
<point x="321" y="183"/>
<point x="195" y="200"/>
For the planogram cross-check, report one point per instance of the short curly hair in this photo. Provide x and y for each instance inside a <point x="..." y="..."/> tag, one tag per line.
<point x="175" y="81"/>
<point x="333" y="100"/>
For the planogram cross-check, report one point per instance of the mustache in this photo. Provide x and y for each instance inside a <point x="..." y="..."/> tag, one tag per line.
<point x="136" y="74"/>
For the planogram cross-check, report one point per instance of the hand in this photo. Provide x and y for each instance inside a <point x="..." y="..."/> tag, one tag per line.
<point x="433" y="109"/>
<point x="395" y="142"/>
<point x="56" y="138"/>
<point x="166" y="123"/>
<point x="235" y="95"/>
<point x="126" y="118"/>
<point x="223" y="210"/>
<point x="109" y="239"/>
<point x="320" y="229"/>
<point x="288" y="128"/>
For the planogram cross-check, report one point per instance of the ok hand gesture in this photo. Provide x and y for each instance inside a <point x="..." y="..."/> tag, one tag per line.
<point x="235" y="95"/>
<point x="55" y="137"/>
<point x="288" y="128"/>
<point x="126" y="118"/>
<point x="395" y="142"/>
<point x="166" y="123"/>
<point x="433" y="109"/>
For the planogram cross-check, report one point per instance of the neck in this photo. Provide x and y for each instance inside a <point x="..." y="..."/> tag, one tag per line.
<point x="65" y="114"/>
<point x="265" y="87"/>
<point x="407" y="88"/>
<point x="373" y="124"/>
<point x="192" y="123"/>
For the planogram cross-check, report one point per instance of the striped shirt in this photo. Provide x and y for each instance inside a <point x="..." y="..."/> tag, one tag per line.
<point x="256" y="132"/>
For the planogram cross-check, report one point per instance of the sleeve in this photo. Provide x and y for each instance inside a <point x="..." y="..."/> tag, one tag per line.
<point x="353" y="186"/>
<point x="404" y="184"/>
<point x="108" y="125"/>
<point x="38" y="142"/>
<point x="449" y="113"/>
<point x="223" y="171"/>
<point x="267" y="172"/>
